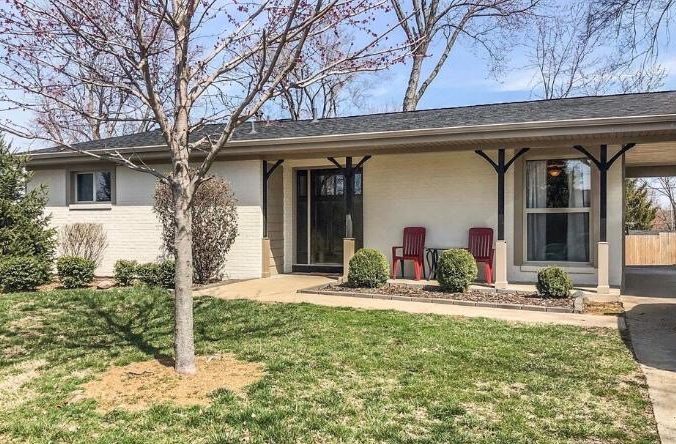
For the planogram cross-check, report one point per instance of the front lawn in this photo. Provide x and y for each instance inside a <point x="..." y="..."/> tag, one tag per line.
<point x="332" y="375"/>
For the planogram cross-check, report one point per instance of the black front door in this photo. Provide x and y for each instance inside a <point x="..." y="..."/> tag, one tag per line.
<point x="320" y="216"/>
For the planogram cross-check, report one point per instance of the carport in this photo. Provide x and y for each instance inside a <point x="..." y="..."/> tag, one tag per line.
<point x="659" y="280"/>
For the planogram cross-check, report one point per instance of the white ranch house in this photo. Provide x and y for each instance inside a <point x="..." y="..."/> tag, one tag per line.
<point x="546" y="176"/>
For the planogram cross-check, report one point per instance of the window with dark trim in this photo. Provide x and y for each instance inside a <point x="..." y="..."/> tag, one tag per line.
<point x="558" y="210"/>
<point x="92" y="187"/>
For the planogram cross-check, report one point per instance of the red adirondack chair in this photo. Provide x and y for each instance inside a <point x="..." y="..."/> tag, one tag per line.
<point x="480" y="244"/>
<point x="413" y="249"/>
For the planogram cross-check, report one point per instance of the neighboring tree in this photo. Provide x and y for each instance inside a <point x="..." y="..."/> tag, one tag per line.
<point x="665" y="189"/>
<point x="577" y="51"/>
<point x="434" y="28"/>
<point x="165" y="55"/>
<point x="214" y="220"/>
<point x="85" y="240"/>
<point x="331" y="95"/>
<point x="640" y="209"/>
<point x="665" y="220"/>
<point x="639" y="27"/>
<point x="24" y="226"/>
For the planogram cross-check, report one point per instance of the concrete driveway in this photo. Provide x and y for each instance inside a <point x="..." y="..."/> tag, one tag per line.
<point x="650" y="303"/>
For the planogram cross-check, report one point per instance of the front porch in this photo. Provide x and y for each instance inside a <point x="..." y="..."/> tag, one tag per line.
<point x="551" y="191"/>
<point x="448" y="193"/>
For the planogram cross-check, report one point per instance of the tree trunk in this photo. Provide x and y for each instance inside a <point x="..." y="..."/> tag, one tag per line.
<point x="184" y="341"/>
<point x="411" y="96"/>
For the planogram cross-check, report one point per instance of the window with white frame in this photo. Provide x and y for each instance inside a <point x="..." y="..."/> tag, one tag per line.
<point x="93" y="186"/>
<point x="558" y="210"/>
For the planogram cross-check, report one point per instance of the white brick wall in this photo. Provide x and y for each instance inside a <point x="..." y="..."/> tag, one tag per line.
<point x="133" y="230"/>
<point x="447" y="193"/>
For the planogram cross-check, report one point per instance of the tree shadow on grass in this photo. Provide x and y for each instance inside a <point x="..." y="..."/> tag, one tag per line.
<point x="96" y="325"/>
<point x="245" y="320"/>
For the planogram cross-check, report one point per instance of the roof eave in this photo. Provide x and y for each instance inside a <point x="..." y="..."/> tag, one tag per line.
<point x="479" y="136"/>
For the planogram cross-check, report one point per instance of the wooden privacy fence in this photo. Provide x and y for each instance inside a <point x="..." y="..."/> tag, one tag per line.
<point x="650" y="249"/>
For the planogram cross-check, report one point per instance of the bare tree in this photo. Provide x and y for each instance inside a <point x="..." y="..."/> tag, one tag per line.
<point x="576" y="51"/>
<point x="639" y="26"/>
<point x="82" y="111"/>
<point x="564" y="53"/>
<point x="165" y="55"/>
<point x="438" y="25"/>
<point x="330" y="95"/>
<point x="665" y="189"/>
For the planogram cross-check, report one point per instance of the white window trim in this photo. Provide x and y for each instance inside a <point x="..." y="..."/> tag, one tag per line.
<point x="93" y="201"/>
<point x="527" y="264"/>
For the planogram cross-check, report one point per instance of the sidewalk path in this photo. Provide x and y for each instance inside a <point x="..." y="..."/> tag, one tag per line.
<point x="283" y="288"/>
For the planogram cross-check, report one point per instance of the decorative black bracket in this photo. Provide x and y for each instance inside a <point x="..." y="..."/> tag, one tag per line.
<point x="501" y="167"/>
<point x="267" y="172"/>
<point x="348" y="173"/>
<point x="603" y="164"/>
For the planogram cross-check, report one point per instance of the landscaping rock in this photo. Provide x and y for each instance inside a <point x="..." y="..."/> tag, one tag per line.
<point x="105" y="285"/>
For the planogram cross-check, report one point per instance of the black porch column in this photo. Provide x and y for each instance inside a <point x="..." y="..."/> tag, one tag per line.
<point x="603" y="194"/>
<point x="501" y="167"/>
<point x="603" y="249"/>
<point x="349" y="196"/>
<point x="349" y="171"/>
<point x="603" y="165"/>
<point x="501" y="194"/>
<point x="266" y="176"/>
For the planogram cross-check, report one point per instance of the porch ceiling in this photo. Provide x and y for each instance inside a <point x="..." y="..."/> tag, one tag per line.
<point x="652" y="154"/>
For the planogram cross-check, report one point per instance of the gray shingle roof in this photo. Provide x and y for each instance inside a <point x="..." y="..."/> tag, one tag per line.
<point x="625" y="105"/>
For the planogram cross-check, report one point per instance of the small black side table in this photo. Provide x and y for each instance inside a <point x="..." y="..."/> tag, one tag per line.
<point x="432" y="258"/>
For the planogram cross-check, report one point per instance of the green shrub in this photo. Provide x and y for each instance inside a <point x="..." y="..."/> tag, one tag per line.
<point x="456" y="270"/>
<point x="157" y="274"/>
<point x="368" y="268"/>
<point x="74" y="271"/>
<point x="148" y="274"/>
<point x="23" y="273"/>
<point x="553" y="282"/>
<point x="24" y="223"/>
<point x="125" y="272"/>
<point x="165" y="277"/>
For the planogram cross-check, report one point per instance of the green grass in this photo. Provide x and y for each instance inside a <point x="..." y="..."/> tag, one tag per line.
<point x="333" y="375"/>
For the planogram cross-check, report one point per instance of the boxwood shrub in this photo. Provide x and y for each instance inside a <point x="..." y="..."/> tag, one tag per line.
<point x="74" y="271"/>
<point x="125" y="272"/>
<point x="456" y="269"/>
<point x="368" y="268"/>
<point x="156" y="274"/>
<point x="553" y="282"/>
<point x="166" y="270"/>
<point x="22" y="273"/>
<point x="148" y="274"/>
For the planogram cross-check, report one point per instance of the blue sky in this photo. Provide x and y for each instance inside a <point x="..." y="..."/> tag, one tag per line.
<point x="466" y="81"/>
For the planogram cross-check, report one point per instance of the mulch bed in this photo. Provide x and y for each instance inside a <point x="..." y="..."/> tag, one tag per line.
<point x="431" y="292"/>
